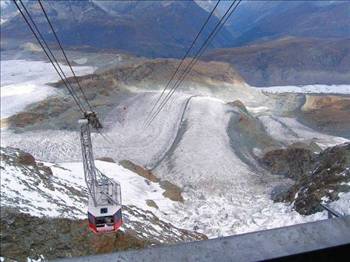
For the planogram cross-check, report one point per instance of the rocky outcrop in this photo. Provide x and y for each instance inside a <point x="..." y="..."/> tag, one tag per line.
<point x="318" y="177"/>
<point x="16" y="157"/>
<point x="292" y="162"/>
<point x="172" y="191"/>
<point x="157" y="71"/>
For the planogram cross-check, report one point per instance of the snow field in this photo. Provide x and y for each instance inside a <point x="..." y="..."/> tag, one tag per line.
<point x="38" y="199"/>
<point x="25" y="82"/>
<point x="223" y="196"/>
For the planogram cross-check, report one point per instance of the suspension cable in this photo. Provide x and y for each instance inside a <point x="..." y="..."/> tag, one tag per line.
<point x="63" y="78"/>
<point x="70" y="66"/>
<point x="194" y="60"/>
<point x="182" y="60"/>
<point x="39" y="37"/>
<point x="64" y="54"/>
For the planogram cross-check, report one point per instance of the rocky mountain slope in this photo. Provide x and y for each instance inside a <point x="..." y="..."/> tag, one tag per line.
<point x="290" y="61"/>
<point x="41" y="199"/>
<point x="328" y="114"/>
<point x="319" y="177"/>
<point x="107" y="89"/>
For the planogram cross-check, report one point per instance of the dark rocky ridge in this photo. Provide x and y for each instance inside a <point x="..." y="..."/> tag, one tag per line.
<point x="317" y="176"/>
<point x="24" y="236"/>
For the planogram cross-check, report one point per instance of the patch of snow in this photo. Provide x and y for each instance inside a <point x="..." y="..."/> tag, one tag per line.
<point x="257" y="109"/>
<point x="40" y="259"/>
<point x="25" y="82"/>
<point x="15" y="98"/>
<point x="81" y="61"/>
<point x="317" y="89"/>
<point x="342" y="205"/>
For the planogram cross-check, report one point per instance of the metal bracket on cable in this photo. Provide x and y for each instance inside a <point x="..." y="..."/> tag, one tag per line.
<point x="331" y="212"/>
<point x="93" y="119"/>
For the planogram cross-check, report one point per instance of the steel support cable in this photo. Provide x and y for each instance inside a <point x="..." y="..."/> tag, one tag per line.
<point x="182" y="60"/>
<point x="64" y="78"/>
<point x="64" y="54"/>
<point x="104" y="136"/>
<point x="76" y="99"/>
<point x="194" y="60"/>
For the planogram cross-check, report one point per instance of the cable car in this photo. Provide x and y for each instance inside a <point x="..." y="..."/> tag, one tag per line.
<point x="107" y="215"/>
<point x="105" y="205"/>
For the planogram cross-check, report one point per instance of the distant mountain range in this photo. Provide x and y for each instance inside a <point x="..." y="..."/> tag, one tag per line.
<point x="290" y="61"/>
<point x="275" y="42"/>
<point x="265" y="20"/>
<point x="167" y="28"/>
<point x="147" y="28"/>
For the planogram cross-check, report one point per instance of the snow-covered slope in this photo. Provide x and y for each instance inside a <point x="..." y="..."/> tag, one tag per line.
<point x="192" y="148"/>
<point x="189" y="144"/>
<point x="24" y="82"/>
<point x="53" y="193"/>
<point x="289" y="130"/>
<point x="43" y="189"/>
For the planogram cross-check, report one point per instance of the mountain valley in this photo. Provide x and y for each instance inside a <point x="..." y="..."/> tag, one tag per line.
<point x="257" y="136"/>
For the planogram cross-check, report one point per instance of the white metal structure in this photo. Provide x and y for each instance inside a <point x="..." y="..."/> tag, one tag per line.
<point x="104" y="209"/>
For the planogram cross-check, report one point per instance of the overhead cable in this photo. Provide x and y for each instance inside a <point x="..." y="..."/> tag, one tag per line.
<point x="194" y="60"/>
<point x="64" y="54"/>
<point x="182" y="60"/>
<point x="57" y="68"/>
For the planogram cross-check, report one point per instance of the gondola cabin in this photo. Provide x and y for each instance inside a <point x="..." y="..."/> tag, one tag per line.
<point x="105" y="214"/>
<point x="103" y="219"/>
